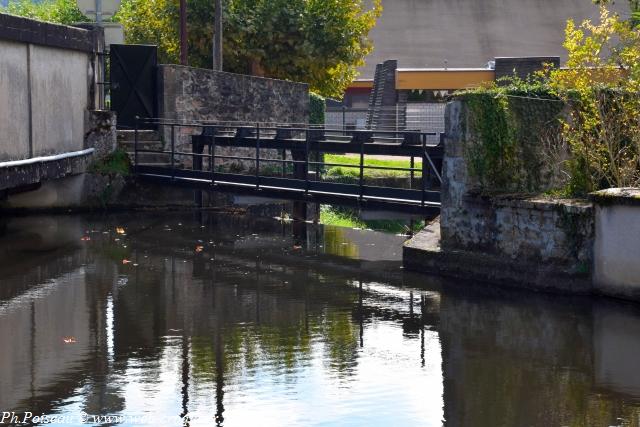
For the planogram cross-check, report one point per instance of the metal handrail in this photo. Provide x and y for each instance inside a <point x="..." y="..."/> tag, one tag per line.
<point x="360" y="139"/>
<point x="272" y="126"/>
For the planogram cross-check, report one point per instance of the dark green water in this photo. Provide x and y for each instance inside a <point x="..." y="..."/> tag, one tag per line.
<point x="206" y="319"/>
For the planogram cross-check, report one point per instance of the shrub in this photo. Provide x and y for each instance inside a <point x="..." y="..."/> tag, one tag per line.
<point x="317" y="107"/>
<point x="56" y="11"/>
<point x="567" y="131"/>
<point x="601" y="86"/>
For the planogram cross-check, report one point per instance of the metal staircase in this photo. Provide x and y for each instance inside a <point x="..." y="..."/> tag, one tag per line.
<point x="385" y="113"/>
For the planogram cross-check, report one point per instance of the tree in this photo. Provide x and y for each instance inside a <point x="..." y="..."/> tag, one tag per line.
<point x="601" y="84"/>
<point x="321" y="42"/>
<point x="634" y="6"/>
<point x="56" y="11"/>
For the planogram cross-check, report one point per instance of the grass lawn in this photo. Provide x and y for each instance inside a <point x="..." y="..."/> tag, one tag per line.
<point x="368" y="173"/>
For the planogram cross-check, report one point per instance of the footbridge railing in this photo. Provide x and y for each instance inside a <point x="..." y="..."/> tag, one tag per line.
<point x="287" y="161"/>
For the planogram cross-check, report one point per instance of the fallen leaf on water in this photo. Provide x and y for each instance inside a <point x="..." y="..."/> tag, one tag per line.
<point x="199" y="248"/>
<point x="85" y="238"/>
<point x="119" y="230"/>
<point x="69" y="340"/>
<point x="126" y="261"/>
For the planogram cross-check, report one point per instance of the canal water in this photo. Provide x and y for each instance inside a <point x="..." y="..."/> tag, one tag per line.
<point x="202" y="319"/>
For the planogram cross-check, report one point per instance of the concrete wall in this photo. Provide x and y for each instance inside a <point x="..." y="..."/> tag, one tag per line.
<point x="60" y="82"/>
<point x="46" y="85"/>
<point x="468" y="33"/>
<point x="617" y="243"/>
<point x="14" y="101"/>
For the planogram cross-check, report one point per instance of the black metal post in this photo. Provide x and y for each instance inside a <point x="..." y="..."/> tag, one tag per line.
<point x="362" y="169"/>
<point x="284" y="163"/>
<point x="257" y="156"/>
<point x="344" y="120"/>
<point x="306" y="166"/>
<point x="135" y="145"/>
<point x="316" y="157"/>
<point x="173" y="152"/>
<point x="212" y="157"/>
<point x="424" y="168"/>
<point x="412" y="174"/>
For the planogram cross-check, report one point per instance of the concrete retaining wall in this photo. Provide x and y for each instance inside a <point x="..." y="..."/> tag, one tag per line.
<point x="617" y="243"/>
<point x="46" y="85"/>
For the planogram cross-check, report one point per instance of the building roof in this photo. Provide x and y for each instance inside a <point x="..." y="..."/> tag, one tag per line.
<point x="468" y="33"/>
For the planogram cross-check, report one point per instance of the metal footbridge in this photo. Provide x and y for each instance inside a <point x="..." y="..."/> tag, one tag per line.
<point x="286" y="162"/>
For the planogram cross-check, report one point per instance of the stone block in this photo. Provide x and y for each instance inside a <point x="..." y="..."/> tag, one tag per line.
<point x="101" y="132"/>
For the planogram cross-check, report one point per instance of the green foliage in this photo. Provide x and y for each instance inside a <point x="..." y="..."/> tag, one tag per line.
<point x="601" y="86"/>
<point x="56" y="11"/>
<point x="317" y="107"/>
<point x="116" y="163"/>
<point x="634" y="7"/>
<point x="568" y="131"/>
<point x="321" y="42"/>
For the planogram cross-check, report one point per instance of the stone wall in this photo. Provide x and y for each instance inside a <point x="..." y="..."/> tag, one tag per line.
<point x="188" y="94"/>
<point x="198" y="94"/>
<point x="511" y="239"/>
<point x="516" y="226"/>
<point x="101" y="132"/>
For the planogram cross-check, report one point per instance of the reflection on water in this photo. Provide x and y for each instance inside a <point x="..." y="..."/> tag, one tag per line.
<point x="233" y="320"/>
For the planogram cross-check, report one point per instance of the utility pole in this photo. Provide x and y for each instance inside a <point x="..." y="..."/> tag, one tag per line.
<point x="217" y="36"/>
<point x="183" y="33"/>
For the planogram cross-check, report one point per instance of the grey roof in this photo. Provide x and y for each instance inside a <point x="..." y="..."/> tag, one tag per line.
<point x="468" y="33"/>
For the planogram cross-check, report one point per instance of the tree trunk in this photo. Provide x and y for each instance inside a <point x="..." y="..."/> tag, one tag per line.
<point x="217" y="37"/>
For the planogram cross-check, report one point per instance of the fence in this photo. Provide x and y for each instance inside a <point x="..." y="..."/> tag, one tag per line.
<point x="423" y="117"/>
<point x="298" y="174"/>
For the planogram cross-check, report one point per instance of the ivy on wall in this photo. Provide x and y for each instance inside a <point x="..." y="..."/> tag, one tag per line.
<point x="515" y="142"/>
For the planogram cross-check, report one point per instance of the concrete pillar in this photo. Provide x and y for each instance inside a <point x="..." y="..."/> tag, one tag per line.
<point x="616" y="269"/>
